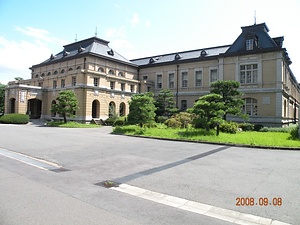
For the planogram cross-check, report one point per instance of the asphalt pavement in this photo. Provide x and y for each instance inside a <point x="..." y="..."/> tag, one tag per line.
<point x="160" y="182"/>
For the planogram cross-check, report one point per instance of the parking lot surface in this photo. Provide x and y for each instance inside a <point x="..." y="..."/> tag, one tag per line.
<point x="54" y="176"/>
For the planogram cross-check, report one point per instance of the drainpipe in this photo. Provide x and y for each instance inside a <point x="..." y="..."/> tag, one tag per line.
<point x="177" y="85"/>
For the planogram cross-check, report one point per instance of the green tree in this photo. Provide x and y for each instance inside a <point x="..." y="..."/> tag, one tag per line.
<point x="209" y="109"/>
<point x="141" y="109"/>
<point x="2" y="98"/>
<point x="67" y="104"/>
<point x="165" y="103"/>
<point x="231" y="97"/>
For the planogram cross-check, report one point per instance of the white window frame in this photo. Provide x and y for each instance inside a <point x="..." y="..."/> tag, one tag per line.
<point x="186" y="72"/>
<point x="210" y="74"/>
<point x="195" y="73"/>
<point x="169" y="80"/>
<point x="159" y="85"/>
<point x="249" y="44"/>
<point x="248" y="74"/>
<point x="250" y="106"/>
<point x="96" y="81"/>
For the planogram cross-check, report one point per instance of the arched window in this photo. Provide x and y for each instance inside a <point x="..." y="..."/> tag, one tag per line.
<point x="62" y="71"/>
<point x="250" y="106"/>
<point x="55" y="72"/>
<point x="111" y="109"/>
<point x="122" y="109"/>
<point x="100" y="69"/>
<point x="111" y="72"/>
<point x="78" y="68"/>
<point x="120" y="74"/>
<point x="70" y="69"/>
<point x="49" y="73"/>
<point x="95" y="109"/>
<point x="183" y="105"/>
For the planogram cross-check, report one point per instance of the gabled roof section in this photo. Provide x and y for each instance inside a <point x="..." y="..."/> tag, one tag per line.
<point x="93" y="46"/>
<point x="260" y="36"/>
<point x="193" y="55"/>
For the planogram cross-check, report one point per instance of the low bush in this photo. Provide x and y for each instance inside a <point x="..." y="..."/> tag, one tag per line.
<point x="277" y="129"/>
<point x="229" y="127"/>
<point x="258" y="127"/>
<point x="120" y="121"/>
<point x="14" y="118"/>
<point x="246" y="126"/>
<point x="180" y="120"/>
<point x="294" y="133"/>
<point x="173" y="123"/>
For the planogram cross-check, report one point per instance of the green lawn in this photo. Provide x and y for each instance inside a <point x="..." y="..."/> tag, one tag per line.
<point x="274" y="139"/>
<point x="72" y="124"/>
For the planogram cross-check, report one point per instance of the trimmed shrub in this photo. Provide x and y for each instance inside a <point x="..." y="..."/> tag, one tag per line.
<point x="229" y="127"/>
<point x="294" y="133"/>
<point x="246" y="126"/>
<point x="173" y="123"/>
<point x="15" y="118"/>
<point x="277" y="129"/>
<point x="120" y="121"/>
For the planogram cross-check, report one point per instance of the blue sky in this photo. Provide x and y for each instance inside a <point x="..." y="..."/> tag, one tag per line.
<point x="30" y="30"/>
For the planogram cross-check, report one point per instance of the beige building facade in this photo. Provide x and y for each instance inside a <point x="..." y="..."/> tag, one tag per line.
<point x="104" y="81"/>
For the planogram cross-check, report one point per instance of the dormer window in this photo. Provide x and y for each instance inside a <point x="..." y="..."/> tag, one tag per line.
<point x="65" y="53"/>
<point x="151" y="60"/>
<point x="110" y="52"/>
<point x="249" y="44"/>
<point x="203" y="53"/>
<point x="177" y="56"/>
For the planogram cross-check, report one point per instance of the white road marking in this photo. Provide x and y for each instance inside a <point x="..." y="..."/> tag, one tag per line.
<point x="196" y="207"/>
<point x="38" y="163"/>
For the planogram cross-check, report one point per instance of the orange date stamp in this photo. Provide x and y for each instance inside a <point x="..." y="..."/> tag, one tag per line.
<point x="263" y="201"/>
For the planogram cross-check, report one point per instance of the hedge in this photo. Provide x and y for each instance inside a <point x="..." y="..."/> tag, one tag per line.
<point x="14" y="118"/>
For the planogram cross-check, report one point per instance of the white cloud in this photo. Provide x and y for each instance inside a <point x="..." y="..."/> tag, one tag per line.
<point x="115" y="33"/>
<point x="16" y="56"/>
<point x="135" y="19"/>
<point x="39" y="34"/>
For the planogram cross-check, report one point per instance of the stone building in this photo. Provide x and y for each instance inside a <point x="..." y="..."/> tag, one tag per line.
<point x="104" y="81"/>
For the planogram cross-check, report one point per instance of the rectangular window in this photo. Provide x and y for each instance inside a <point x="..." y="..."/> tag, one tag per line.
<point x="213" y="75"/>
<point x="63" y="83"/>
<point x="248" y="74"/>
<point x="96" y="82"/>
<point x="54" y="84"/>
<point x="159" y="81"/>
<point x="171" y="80"/>
<point x="145" y="77"/>
<point x="131" y="88"/>
<point x="73" y="81"/>
<point x="122" y="86"/>
<point x="112" y="85"/>
<point x="198" y="78"/>
<point x="40" y="84"/>
<point x="184" y="79"/>
<point x="249" y="44"/>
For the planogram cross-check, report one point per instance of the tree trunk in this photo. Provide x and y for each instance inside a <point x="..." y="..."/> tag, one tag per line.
<point x="65" y="118"/>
